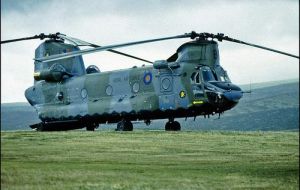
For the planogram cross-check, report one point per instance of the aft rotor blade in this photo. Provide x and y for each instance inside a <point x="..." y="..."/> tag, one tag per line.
<point x="109" y="47"/>
<point x="18" y="39"/>
<point x="79" y="42"/>
<point x="40" y="36"/>
<point x="21" y="39"/>
<point x="73" y="40"/>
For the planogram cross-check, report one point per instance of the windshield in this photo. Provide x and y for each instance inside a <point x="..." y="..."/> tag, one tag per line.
<point x="222" y="74"/>
<point x="207" y="74"/>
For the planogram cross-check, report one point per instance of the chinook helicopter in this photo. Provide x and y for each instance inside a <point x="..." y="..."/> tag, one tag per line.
<point x="190" y="83"/>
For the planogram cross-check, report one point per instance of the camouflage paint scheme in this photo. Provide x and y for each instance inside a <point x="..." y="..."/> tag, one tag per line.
<point x="166" y="89"/>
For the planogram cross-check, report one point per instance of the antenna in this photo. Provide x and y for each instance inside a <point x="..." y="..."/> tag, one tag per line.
<point x="250" y="89"/>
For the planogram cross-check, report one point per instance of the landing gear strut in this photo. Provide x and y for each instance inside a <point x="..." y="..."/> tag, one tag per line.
<point x="124" y="125"/>
<point x="172" y="125"/>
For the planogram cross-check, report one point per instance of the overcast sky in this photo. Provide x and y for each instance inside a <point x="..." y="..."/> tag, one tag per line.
<point x="274" y="24"/>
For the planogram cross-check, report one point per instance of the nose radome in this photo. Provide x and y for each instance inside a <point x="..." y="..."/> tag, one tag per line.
<point x="234" y="96"/>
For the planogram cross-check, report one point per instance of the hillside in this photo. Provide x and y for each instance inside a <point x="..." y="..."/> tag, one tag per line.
<point x="271" y="106"/>
<point x="17" y="116"/>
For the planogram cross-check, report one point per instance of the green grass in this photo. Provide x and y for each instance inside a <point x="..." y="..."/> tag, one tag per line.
<point x="149" y="160"/>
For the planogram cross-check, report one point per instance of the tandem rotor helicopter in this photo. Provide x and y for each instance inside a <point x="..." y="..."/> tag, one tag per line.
<point x="191" y="82"/>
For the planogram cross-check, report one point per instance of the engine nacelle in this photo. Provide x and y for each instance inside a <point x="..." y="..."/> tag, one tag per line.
<point x="162" y="64"/>
<point x="49" y="75"/>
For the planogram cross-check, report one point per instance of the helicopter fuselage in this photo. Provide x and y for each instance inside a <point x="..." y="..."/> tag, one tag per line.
<point x="143" y="93"/>
<point x="188" y="84"/>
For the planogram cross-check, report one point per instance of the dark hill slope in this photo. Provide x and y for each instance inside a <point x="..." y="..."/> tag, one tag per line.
<point x="15" y="116"/>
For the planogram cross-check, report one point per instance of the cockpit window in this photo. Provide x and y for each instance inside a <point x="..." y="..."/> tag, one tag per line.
<point x="222" y="74"/>
<point x="195" y="78"/>
<point x="208" y="75"/>
<point x="224" y="78"/>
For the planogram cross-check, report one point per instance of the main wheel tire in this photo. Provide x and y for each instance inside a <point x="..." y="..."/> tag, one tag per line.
<point x="120" y="126"/>
<point x="128" y="126"/>
<point x="90" y="127"/>
<point x="172" y="126"/>
<point x="176" y="126"/>
<point x="168" y="126"/>
<point x="124" y="126"/>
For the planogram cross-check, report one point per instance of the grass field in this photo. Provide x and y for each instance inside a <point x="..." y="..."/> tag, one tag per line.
<point x="149" y="160"/>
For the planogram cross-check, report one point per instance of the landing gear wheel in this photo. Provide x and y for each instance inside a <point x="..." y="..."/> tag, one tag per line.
<point x="176" y="126"/>
<point x="172" y="126"/>
<point x="124" y="126"/>
<point x="119" y="126"/>
<point x="128" y="126"/>
<point x="91" y="127"/>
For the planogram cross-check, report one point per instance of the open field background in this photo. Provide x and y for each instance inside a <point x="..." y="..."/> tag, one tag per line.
<point x="271" y="106"/>
<point x="149" y="160"/>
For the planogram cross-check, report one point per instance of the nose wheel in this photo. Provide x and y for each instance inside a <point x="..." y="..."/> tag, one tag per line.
<point x="172" y="125"/>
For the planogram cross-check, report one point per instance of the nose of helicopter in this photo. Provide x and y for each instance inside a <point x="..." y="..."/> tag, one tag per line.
<point x="233" y="96"/>
<point x="223" y="95"/>
<point x="231" y="92"/>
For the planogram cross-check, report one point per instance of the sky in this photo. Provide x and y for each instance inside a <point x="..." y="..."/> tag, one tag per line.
<point x="271" y="23"/>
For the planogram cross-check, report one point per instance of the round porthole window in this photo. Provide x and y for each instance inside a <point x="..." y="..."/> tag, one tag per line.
<point x="136" y="87"/>
<point x="109" y="90"/>
<point x="166" y="83"/>
<point x="83" y="93"/>
<point x="60" y="96"/>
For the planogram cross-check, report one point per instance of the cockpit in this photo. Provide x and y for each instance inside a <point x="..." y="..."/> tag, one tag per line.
<point x="221" y="74"/>
<point x="208" y="75"/>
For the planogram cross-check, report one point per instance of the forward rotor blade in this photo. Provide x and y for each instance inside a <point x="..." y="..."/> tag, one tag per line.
<point x="221" y="37"/>
<point x="266" y="48"/>
<point x="79" y="42"/>
<point x="109" y="47"/>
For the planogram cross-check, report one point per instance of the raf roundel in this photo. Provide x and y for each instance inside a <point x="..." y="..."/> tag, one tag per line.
<point x="147" y="78"/>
